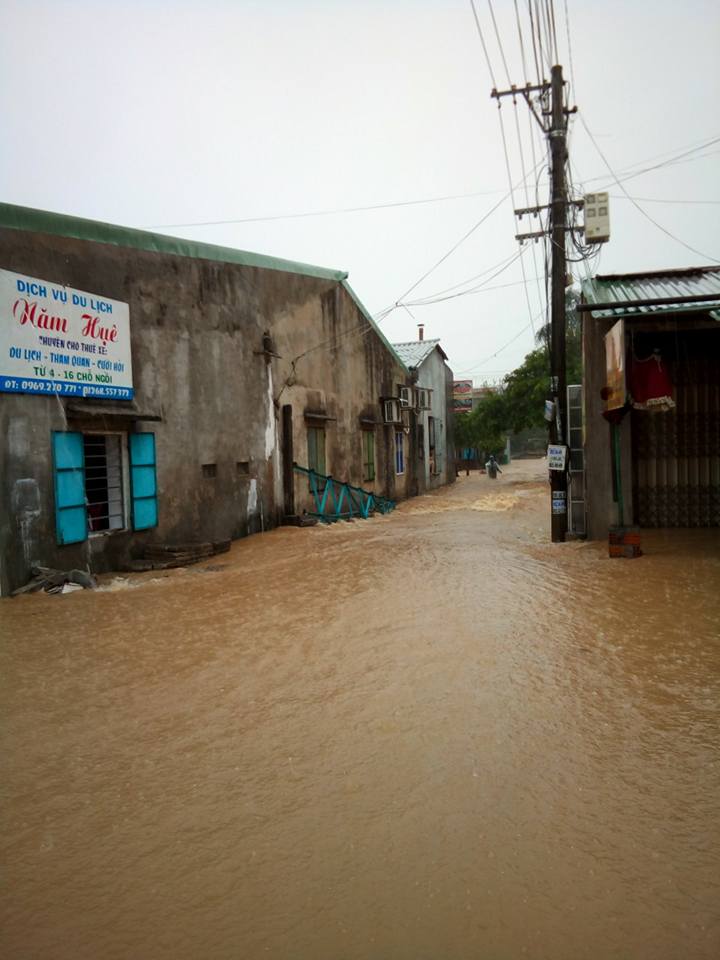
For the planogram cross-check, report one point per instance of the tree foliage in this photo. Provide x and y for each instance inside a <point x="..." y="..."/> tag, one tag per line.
<point x="519" y="402"/>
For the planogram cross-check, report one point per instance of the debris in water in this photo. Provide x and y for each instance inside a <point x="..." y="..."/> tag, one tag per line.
<point x="54" y="581"/>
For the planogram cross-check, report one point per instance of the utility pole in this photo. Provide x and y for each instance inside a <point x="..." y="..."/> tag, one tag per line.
<point x="558" y="226"/>
<point x="556" y="132"/>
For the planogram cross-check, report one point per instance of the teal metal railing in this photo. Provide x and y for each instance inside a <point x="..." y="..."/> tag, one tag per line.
<point x="335" y="500"/>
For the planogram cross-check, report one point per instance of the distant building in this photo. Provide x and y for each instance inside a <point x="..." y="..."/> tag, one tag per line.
<point x="433" y="401"/>
<point x="154" y="389"/>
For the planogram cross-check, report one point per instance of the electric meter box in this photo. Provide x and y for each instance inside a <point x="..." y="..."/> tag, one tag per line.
<point x="597" y="217"/>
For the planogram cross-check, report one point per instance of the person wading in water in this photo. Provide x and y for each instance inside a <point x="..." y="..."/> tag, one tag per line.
<point x="492" y="467"/>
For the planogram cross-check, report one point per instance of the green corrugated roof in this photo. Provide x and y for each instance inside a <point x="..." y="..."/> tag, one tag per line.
<point x="657" y="285"/>
<point x="59" y="224"/>
<point x="62" y="225"/>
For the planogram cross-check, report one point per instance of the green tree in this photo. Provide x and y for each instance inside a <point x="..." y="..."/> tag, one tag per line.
<point x="519" y="402"/>
<point x="484" y="428"/>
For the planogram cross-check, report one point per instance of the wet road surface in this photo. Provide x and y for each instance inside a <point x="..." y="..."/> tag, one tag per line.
<point x="429" y="735"/>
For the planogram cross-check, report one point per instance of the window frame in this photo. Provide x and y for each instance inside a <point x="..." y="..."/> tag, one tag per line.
<point x="315" y="428"/>
<point x="423" y="398"/>
<point x="399" y="453"/>
<point x="126" y="495"/>
<point x="393" y="416"/>
<point x="369" y="470"/>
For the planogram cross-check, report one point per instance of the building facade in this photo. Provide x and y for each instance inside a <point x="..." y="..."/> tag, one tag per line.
<point x="651" y="364"/>
<point x="158" y="390"/>
<point x="433" y="401"/>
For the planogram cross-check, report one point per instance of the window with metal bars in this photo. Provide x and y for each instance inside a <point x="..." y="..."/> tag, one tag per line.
<point x="104" y="486"/>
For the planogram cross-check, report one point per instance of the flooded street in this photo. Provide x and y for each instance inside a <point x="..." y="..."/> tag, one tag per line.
<point x="428" y="735"/>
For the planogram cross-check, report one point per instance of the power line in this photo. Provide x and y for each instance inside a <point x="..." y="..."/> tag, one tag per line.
<point x="637" y="205"/>
<point x="538" y="61"/>
<point x="479" y="364"/>
<point x="526" y="78"/>
<point x="480" y="288"/>
<point x="482" y="41"/>
<point x="497" y="35"/>
<point x="617" y="196"/>
<point x="680" y="158"/>
<point x="328" y="213"/>
<point x="551" y="13"/>
<point x="462" y="283"/>
<point x="570" y="56"/>
<point x="455" y="246"/>
<point x="507" y="159"/>
<point x="629" y="173"/>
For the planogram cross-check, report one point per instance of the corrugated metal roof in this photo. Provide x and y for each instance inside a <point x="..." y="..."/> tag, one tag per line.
<point x="62" y="225"/>
<point x="416" y="352"/>
<point x="657" y="285"/>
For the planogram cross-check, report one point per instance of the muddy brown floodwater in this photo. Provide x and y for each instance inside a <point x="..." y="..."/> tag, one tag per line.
<point x="430" y="736"/>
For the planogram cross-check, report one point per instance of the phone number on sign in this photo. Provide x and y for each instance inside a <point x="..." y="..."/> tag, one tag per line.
<point x="66" y="389"/>
<point x="119" y="393"/>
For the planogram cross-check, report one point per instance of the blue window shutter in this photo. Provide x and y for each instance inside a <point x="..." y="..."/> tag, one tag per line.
<point x="69" y="475"/>
<point x="143" y="479"/>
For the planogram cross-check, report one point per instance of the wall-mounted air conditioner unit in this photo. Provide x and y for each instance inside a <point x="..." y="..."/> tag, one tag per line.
<point x="391" y="411"/>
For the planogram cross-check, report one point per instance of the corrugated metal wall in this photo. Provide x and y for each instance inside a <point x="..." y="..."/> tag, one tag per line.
<point x="676" y="454"/>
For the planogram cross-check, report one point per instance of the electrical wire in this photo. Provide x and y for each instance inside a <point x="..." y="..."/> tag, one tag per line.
<point x="526" y="77"/>
<point x="539" y="25"/>
<point x="454" y="247"/>
<point x="680" y="158"/>
<point x="551" y="15"/>
<point x="482" y="41"/>
<point x="479" y="288"/>
<point x="499" y="41"/>
<point x="491" y="356"/>
<point x="637" y="205"/>
<point x="328" y="213"/>
<point x="617" y="196"/>
<point x="570" y="56"/>
<point x="507" y="161"/>
<point x="476" y="276"/>
<point x="629" y="173"/>
<point x="538" y="61"/>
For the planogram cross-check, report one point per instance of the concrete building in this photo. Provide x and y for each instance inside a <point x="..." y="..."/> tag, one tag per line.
<point x="663" y="363"/>
<point x="432" y="397"/>
<point x="158" y="390"/>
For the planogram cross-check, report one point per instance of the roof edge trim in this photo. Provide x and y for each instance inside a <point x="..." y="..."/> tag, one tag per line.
<point x="28" y="219"/>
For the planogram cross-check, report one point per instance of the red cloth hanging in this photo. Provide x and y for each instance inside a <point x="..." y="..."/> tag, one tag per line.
<point x="650" y="384"/>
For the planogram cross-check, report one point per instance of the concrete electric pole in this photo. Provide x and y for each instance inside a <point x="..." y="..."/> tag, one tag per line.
<point x="556" y="132"/>
<point x="558" y="227"/>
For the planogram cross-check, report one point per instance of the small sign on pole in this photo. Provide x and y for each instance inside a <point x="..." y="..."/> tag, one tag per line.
<point x="559" y="501"/>
<point x="557" y="456"/>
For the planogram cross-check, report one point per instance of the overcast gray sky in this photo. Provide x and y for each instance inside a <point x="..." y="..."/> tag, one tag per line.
<point x="173" y="112"/>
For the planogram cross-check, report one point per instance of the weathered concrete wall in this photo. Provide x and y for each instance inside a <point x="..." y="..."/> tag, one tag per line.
<point x="434" y="374"/>
<point x="450" y="474"/>
<point x="196" y="329"/>
<point x="333" y="363"/>
<point x="197" y="339"/>
<point x="599" y="504"/>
